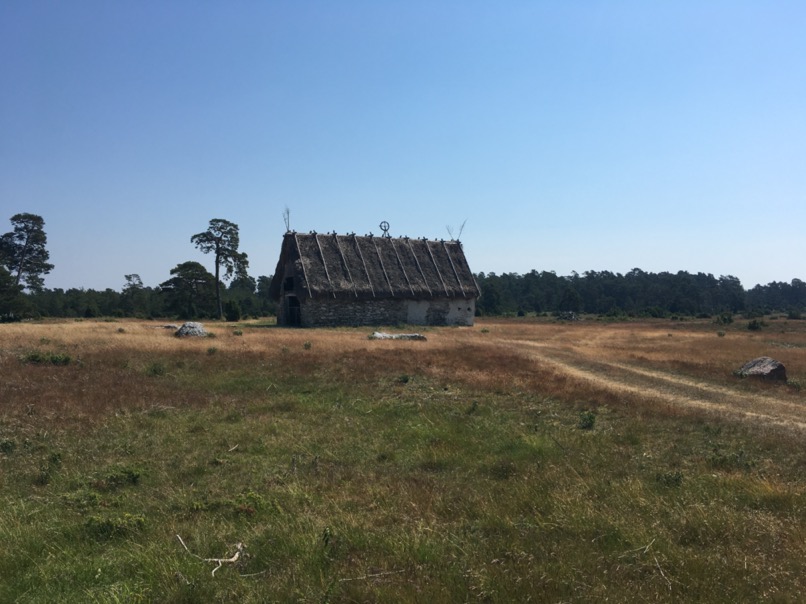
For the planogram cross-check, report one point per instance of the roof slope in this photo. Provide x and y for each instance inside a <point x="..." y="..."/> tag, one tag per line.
<point x="349" y="266"/>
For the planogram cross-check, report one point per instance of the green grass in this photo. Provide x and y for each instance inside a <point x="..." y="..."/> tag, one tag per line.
<point x="387" y="489"/>
<point x="36" y="357"/>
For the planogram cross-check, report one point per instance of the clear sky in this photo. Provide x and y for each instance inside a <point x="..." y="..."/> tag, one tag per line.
<point x="568" y="135"/>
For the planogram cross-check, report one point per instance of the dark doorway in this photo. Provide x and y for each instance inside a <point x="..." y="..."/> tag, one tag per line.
<point x="293" y="312"/>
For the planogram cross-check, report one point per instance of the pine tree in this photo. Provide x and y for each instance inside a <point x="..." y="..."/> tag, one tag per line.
<point x="23" y="252"/>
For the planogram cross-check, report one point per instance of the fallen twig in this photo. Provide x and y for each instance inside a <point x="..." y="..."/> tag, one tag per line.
<point x="220" y="561"/>
<point x="638" y="549"/>
<point x="662" y="574"/>
<point x="262" y="572"/>
<point x="373" y="576"/>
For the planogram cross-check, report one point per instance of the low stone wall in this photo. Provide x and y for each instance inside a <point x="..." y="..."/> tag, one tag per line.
<point x="324" y="312"/>
<point x="441" y="312"/>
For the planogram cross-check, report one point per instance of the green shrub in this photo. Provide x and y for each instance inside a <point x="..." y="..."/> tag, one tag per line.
<point x="156" y="369"/>
<point x="114" y="526"/>
<point x="755" y="325"/>
<point x="726" y="318"/>
<point x="655" y="312"/>
<point x="730" y="460"/>
<point x="670" y="479"/>
<point x="33" y="358"/>
<point x="232" y="311"/>
<point x="116" y="479"/>
<point x="502" y="470"/>
<point x="60" y="358"/>
<point x="36" y="357"/>
<point x="248" y="503"/>
<point x="587" y="419"/>
<point x="47" y="468"/>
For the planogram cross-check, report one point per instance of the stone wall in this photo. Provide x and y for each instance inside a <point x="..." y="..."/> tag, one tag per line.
<point x="325" y="312"/>
<point x="441" y="312"/>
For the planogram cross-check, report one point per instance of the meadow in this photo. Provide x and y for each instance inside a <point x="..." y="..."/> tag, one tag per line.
<point x="518" y="460"/>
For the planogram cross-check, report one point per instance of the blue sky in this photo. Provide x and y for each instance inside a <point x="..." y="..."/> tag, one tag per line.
<point x="566" y="135"/>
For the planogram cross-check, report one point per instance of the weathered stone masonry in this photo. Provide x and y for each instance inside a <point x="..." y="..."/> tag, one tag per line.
<point x="320" y="313"/>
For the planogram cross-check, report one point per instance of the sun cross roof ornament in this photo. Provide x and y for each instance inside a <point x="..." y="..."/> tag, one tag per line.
<point x="385" y="228"/>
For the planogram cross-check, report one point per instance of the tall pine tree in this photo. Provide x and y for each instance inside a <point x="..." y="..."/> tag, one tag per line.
<point x="23" y="252"/>
<point x="221" y="238"/>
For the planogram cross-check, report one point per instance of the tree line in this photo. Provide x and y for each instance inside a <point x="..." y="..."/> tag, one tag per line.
<point x="192" y="292"/>
<point x="636" y="293"/>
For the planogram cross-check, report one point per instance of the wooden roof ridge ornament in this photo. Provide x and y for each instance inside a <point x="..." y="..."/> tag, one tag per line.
<point x="344" y="262"/>
<point x="324" y="263"/>
<point x="455" y="274"/>
<point x="420" y="268"/>
<point x="436" y="266"/>
<point x="402" y="268"/>
<point x="385" y="228"/>
<point x="302" y="264"/>
<point x="364" y="262"/>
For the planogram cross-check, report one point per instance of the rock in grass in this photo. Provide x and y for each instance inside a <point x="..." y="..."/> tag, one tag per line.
<point x="379" y="335"/>
<point x="764" y="367"/>
<point x="191" y="329"/>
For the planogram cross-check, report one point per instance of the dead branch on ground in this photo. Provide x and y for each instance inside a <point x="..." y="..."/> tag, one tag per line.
<point x="239" y="547"/>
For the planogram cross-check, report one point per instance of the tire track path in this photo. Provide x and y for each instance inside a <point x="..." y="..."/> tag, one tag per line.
<point x="656" y="386"/>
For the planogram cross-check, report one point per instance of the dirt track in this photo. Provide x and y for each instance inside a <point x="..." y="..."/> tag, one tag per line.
<point x="580" y="356"/>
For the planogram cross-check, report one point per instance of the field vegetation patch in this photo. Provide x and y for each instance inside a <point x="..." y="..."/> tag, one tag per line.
<point x="518" y="459"/>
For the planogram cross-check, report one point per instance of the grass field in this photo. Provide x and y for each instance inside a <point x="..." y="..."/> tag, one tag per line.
<point x="515" y="461"/>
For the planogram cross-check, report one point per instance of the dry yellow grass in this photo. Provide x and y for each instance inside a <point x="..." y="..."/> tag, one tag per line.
<point x="657" y="366"/>
<point x="684" y="368"/>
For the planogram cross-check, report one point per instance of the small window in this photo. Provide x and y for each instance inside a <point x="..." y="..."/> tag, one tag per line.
<point x="288" y="284"/>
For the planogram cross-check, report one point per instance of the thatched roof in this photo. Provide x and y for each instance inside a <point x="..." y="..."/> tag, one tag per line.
<point x="349" y="266"/>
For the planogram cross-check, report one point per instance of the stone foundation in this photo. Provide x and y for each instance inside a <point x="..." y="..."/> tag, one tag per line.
<point x="331" y="313"/>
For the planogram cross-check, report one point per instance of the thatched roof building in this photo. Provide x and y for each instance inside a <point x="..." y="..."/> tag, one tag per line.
<point x="330" y="279"/>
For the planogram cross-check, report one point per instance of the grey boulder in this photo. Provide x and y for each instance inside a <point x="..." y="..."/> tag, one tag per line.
<point x="191" y="329"/>
<point x="764" y="367"/>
